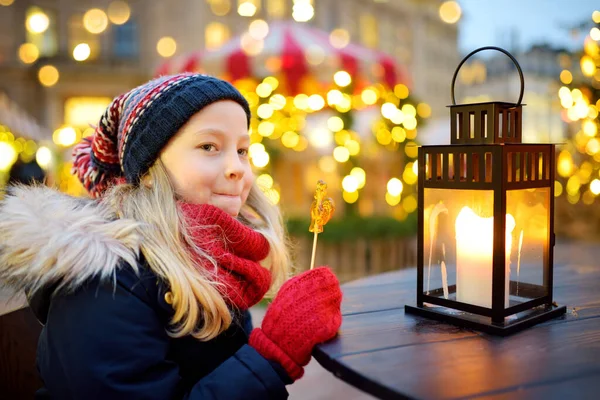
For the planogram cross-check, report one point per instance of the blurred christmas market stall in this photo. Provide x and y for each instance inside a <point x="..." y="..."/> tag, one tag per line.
<point x="324" y="108"/>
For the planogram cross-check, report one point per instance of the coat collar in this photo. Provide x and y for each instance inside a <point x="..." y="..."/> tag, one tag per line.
<point x="50" y="239"/>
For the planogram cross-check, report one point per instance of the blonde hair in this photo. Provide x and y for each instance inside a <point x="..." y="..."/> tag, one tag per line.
<point x="200" y="310"/>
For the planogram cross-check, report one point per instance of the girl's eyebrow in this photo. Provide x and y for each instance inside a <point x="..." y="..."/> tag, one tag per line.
<point x="219" y="133"/>
<point x="209" y="131"/>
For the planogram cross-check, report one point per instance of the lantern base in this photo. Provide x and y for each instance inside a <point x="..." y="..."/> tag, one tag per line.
<point x="511" y="324"/>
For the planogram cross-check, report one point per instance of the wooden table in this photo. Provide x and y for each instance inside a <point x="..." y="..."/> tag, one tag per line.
<point x="393" y="355"/>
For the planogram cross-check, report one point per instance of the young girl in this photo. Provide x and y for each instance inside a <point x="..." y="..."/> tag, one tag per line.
<point x="144" y="291"/>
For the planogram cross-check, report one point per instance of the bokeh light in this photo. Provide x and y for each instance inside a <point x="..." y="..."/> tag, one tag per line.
<point x="395" y="187"/>
<point x="259" y="29"/>
<point x="95" y="21"/>
<point x="450" y="12"/>
<point x="118" y="12"/>
<point x="166" y="46"/>
<point x="342" y="78"/>
<point x="8" y="155"/>
<point x="303" y="10"/>
<point x="247" y="9"/>
<point x="37" y="21"/>
<point x="339" y="38"/>
<point x="81" y="52"/>
<point x="28" y="53"/>
<point x="48" y="75"/>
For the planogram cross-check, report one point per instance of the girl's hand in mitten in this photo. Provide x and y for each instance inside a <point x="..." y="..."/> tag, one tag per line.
<point x="305" y="312"/>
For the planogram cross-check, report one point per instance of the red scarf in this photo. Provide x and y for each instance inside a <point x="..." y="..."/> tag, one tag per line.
<point x="237" y="250"/>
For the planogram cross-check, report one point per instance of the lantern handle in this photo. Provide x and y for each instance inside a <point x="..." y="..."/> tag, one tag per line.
<point x="514" y="60"/>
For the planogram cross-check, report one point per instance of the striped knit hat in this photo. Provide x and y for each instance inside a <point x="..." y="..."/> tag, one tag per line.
<point x="138" y="124"/>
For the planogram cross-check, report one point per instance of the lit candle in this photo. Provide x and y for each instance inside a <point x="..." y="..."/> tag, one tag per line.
<point x="474" y="257"/>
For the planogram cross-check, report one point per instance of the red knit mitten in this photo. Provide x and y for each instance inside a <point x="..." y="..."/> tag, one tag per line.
<point x="305" y="312"/>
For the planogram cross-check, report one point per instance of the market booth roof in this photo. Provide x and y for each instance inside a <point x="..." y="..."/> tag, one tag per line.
<point x="302" y="57"/>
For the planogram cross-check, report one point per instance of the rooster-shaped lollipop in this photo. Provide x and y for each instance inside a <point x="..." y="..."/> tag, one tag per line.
<point x="321" y="210"/>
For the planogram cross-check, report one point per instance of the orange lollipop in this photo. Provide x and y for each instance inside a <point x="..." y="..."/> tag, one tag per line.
<point x="321" y="210"/>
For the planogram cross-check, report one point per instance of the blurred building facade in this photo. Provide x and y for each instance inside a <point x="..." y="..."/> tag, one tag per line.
<point x="64" y="60"/>
<point x="126" y="52"/>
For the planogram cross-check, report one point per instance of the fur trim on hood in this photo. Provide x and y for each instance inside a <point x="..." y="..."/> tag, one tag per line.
<point x="48" y="238"/>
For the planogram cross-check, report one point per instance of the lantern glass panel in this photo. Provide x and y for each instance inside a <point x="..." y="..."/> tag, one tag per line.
<point x="458" y="245"/>
<point x="530" y="241"/>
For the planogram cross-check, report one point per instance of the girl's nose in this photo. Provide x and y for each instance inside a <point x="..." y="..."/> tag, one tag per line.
<point x="234" y="169"/>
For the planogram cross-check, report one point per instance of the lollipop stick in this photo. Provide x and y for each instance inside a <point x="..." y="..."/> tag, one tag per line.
<point x="314" y="252"/>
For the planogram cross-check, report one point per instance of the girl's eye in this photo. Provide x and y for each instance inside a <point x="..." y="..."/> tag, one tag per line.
<point x="207" y="147"/>
<point x="243" y="152"/>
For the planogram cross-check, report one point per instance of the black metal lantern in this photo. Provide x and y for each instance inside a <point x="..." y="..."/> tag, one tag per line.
<point x="486" y="221"/>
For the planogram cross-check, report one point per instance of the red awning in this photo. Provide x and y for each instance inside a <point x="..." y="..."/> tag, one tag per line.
<point x="297" y="54"/>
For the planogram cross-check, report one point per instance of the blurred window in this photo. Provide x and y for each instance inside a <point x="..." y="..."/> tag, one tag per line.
<point x="40" y="30"/>
<point x="369" y="31"/>
<point x="332" y="16"/>
<point x="125" y="40"/>
<point x="81" y="112"/>
<point x="215" y="35"/>
<point x="276" y="9"/>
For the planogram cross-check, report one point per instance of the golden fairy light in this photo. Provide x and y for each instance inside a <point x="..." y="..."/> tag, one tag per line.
<point x="395" y="187"/>
<point x="48" y="75"/>
<point x="303" y="10"/>
<point x="81" y="52"/>
<point x="350" y="183"/>
<point x="8" y="156"/>
<point x="247" y="9"/>
<point x="28" y="53"/>
<point x="37" y="21"/>
<point x="342" y="78"/>
<point x="95" y="21"/>
<point x="166" y="46"/>
<point x="588" y="66"/>
<point x="360" y="175"/>
<point x="450" y="12"/>
<point x="43" y="157"/>
<point x="118" y="12"/>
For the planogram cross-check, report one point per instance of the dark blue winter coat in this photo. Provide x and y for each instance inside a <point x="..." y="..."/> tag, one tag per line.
<point x="106" y="338"/>
<point x="109" y="342"/>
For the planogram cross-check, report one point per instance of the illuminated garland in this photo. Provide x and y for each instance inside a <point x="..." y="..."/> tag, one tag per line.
<point x="578" y="162"/>
<point x="280" y="123"/>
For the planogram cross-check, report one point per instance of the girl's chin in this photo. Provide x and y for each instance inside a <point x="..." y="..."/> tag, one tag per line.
<point x="231" y="205"/>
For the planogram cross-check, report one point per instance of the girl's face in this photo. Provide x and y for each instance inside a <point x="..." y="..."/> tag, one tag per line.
<point x="207" y="159"/>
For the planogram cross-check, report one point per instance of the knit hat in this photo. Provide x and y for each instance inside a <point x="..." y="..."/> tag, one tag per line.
<point x="138" y="124"/>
